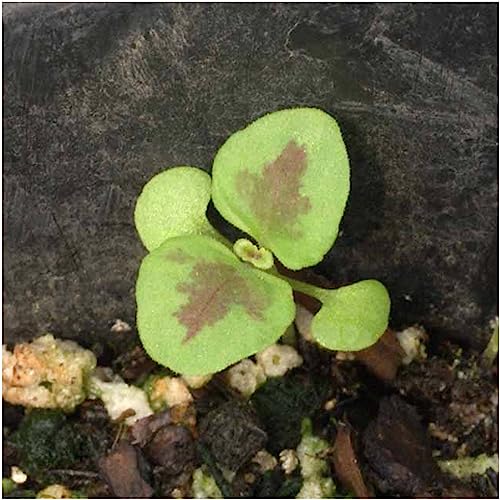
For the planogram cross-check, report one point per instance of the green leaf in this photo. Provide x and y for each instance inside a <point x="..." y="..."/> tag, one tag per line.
<point x="173" y="203"/>
<point x="352" y="317"/>
<point x="199" y="309"/>
<point x="284" y="180"/>
<point x="248" y="252"/>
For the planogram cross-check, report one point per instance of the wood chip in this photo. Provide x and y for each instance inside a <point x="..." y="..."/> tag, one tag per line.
<point x="120" y="469"/>
<point x="384" y="357"/>
<point x="346" y="464"/>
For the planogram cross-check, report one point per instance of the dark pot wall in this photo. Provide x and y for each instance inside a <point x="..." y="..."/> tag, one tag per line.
<point x="99" y="97"/>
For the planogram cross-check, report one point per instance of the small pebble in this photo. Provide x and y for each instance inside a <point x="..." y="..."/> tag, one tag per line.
<point x="54" y="491"/>
<point x="249" y="478"/>
<point x="289" y="461"/>
<point x="330" y="404"/>
<point x="120" y="326"/>
<point x="17" y="475"/>
<point x="265" y="460"/>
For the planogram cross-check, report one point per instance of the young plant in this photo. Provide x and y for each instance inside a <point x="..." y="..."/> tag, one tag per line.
<point x="202" y="304"/>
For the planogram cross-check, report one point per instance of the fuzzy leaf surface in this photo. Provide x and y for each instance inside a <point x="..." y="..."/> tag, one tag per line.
<point x="199" y="309"/>
<point x="173" y="203"/>
<point x="284" y="180"/>
<point x="352" y="317"/>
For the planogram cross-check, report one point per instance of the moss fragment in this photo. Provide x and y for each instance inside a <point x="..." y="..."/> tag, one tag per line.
<point x="491" y="351"/>
<point x="204" y="485"/>
<point x="317" y="482"/>
<point x="281" y="404"/>
<point x="47" y="440"/>
<point x="8" y="486"/>
<point x="464" y="468"/>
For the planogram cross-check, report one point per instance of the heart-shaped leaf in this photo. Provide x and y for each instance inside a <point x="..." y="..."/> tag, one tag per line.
<point x="284" y="180"/>
<point x="352" y="317"/>
<point x="173" y="203"/>
<point x="200" y="309"/>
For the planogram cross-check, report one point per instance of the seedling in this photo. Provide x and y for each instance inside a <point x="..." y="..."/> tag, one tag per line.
<point x="202" y="304"/>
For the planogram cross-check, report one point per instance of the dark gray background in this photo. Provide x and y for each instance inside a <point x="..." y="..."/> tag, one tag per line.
<point x="99" y="97"/>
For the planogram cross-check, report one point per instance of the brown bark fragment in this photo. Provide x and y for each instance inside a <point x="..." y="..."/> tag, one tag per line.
<point x="397" y="450"/>
<point x="172" y="447"/>
<point x="382" y="358"/>
<point x="120" y="469"/>
<point x="346" y="464"/>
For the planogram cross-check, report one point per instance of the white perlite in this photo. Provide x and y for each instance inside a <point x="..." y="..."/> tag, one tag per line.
<point x="265" y="461"/>
<point x="119" y="397"/>
<point x="288" y="460"/>
<point x="204" y="485"/>
<point x="468" y="466"/>
<point x="315" y="470"/>
<point x="169" y="391"/>
<point x="277" y="359"/>
<point x="120" y="326"/>
<point x="17" y="475"/>
<point x="46" y="373"/>
<point x="245" y="377"/>
<point x="55" y="491"/>
<point x="197" y="381"/>
<point x="412" y="342"/>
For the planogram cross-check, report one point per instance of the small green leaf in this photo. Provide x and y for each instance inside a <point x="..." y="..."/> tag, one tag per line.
<point x="248" y="252"/>
<point x="173" y="203"/>
<point x="284" y="180"/>
<point x="199" y="309"/>
<point x="352" y="317"/>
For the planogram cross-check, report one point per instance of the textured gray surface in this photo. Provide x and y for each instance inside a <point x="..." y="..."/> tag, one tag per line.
<point x="99" y="97"/>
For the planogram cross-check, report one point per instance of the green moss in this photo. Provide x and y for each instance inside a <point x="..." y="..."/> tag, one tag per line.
<point x="8" y="486"/>
<point x="156" y="403"/>
<point x="491" y="351"/>
<point x="273" y="484"/>
<point x="466" y="467"/>
<point x="204" y="485"/>
<point x="47" y="440"/>
<point x="281" y="404"/>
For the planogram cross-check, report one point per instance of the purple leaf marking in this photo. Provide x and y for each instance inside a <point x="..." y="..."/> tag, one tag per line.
<point x="274" y="197"/>
<point x="213" y="288"/>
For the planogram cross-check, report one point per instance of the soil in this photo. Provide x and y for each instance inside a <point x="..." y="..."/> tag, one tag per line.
<point x="387" y="429"/>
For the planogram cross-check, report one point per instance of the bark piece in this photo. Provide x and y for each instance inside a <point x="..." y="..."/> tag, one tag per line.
<point x="232" y="434"/>
<point x="145" y="428"/>
<point x="382" y="358"/>
<point x="346" y="463"/>
<point x="133" y="364"/>
<point x="120" y="469"/>
<point x="398" y="451"/>
<point x="172" y="447"/>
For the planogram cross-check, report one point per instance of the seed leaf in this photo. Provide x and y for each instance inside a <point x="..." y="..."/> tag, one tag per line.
<point x="352" y="317"/>
<point x="173" y="203"/>
<point x="200" y="309"/>
<point x="284" y="180"/>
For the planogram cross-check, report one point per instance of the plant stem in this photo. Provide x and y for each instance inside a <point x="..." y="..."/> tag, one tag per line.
<point x="491" y="351"/>
<point x="321" y="294"/>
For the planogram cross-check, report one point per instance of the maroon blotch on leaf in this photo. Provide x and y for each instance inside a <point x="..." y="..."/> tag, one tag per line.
<point x="178" y="256"/>
<point x="275" y="196"/>
<point x="213" y="288"/>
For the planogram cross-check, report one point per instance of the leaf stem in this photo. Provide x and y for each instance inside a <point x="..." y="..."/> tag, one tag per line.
<point x="321" y="294"/>
<point x="491" y="351"/>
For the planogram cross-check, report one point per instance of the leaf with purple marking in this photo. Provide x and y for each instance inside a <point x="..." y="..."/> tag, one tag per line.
<point x="284" y="180"/>
<point x="200" y="309"/>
